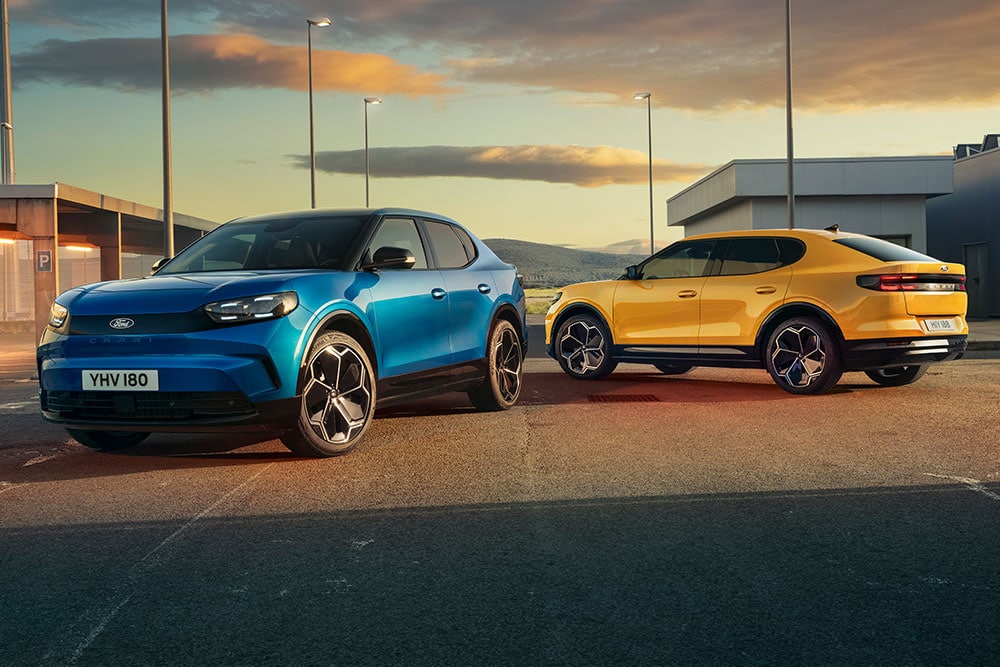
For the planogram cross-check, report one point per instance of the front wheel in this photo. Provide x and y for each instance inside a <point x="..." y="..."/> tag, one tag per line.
<point x="338" y="398"/>
<point x="583" y="348"/>
<point x="502" y="385"/>
<point x="107" y="440"/>
<point x="802" y="357"/>
<point x="897" y="377"/>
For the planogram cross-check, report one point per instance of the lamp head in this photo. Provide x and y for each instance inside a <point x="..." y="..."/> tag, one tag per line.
<point x="319" y="23"/>
<point x="642" y="96"/>
<point x="373" y="100"/>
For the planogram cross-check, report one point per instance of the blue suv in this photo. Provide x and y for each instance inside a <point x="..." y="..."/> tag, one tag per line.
<point x="299" y="323"/>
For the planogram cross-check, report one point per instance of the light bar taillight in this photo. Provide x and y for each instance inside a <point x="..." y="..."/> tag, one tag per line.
<point x="912" y="282"/>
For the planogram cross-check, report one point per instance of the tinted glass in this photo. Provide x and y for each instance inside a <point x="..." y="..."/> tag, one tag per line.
<point x="682" y="260"/>
<point x="753" y="255"/>
<point x="287" y="243"/>
<point x="400" y="233"/>
<point x="885" y="251"/>
<point x="451" y="253"/>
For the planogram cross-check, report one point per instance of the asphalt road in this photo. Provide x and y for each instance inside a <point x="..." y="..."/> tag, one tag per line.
<point x="701" y="519"/>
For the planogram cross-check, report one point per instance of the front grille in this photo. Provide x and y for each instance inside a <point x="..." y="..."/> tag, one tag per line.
<point x="146" y="406"/>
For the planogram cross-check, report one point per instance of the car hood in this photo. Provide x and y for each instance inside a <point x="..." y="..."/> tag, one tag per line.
<point x="172" y="293"/>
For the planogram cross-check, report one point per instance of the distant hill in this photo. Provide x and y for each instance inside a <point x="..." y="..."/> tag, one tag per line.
<point x="545" y="265"/>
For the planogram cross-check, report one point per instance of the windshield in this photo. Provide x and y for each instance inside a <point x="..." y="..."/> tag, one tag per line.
<point x="287" y="243"/>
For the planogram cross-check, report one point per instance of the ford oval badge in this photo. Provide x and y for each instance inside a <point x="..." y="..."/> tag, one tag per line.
<point x="121" y="323"/>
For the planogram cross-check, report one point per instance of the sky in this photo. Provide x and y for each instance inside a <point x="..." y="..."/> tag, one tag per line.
<point x="515" y="117"/>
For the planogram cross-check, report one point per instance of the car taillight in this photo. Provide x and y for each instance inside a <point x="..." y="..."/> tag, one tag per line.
<point x="912" y="282"/>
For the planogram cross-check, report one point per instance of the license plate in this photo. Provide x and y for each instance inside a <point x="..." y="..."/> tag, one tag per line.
<point x="932" y="326"/>
<point x="116" y="380"/>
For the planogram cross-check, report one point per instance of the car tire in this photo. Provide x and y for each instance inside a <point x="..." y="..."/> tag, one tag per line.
<point x="803" y="357"/>
<point x="583" y="348"/>
<point x="505" y="361"/>
<point x="899" y="376"/>
<point x="338" y="398"/>
<point x="107" y="440"/>
<point x="672" y="369"/>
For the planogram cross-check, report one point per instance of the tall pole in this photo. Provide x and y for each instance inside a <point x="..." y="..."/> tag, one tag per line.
<point x="788" y="114"/>
<point x="649" y="135"/>
<point x="368" y="100"/>
<point x="6" y="109"/>
<point x="319" y="23"/>
<point x="168" y="193"/>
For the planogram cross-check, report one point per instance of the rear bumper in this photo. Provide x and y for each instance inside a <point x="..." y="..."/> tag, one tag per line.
<point x="862" y="355"/>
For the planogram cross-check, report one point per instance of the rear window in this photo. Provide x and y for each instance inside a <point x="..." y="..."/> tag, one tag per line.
<point x="884" y="251"/>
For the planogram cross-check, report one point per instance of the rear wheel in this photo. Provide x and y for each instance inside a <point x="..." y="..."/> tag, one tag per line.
<point x="583" y="348"/>
<point x="802" y="357"/>
<point x="897" y="377"/>
<point x="107" y="440"/>
<point x="338" y="398"/>
<point x="503" y="381"/>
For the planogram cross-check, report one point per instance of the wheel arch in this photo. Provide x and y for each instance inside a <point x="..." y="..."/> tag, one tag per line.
<point x="507" y="311"/>
<point x="579" y="308"/>
<point x="346" y="322"/>
<point x="788" y="311"/>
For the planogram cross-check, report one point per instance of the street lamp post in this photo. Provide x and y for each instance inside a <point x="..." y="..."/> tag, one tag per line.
<point x="788" y="115"/>
<point x="168" y="177"/>
<point x="368" y="100"/>
<point x="649" y="133"/>
<point x="319" y="23"/>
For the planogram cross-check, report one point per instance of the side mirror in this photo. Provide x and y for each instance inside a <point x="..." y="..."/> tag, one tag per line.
<point x="388" y="257"/>
<point x="158" y="264"/>
<point x="632" y="272"/>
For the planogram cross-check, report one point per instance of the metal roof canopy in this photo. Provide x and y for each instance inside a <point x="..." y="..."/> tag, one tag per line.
<point x="739" y="180"/>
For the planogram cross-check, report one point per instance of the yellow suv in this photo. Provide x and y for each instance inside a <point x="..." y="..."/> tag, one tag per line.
<point x="807" y="305"/>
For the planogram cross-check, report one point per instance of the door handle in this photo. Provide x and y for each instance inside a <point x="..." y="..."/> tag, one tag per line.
<point x="687" y="293"/>
<point x="766" y="289"/>
<point x="484" y="288"/>
<point x="438" y="293"/>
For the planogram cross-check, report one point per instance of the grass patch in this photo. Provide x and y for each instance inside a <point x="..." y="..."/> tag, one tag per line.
<point x="537" y="299"/>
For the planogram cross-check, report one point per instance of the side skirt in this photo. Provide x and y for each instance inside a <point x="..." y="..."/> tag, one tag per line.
<point x="403" y="388"/>
<point x="724" y="357"/>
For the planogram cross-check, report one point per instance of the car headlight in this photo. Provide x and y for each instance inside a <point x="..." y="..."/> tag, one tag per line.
<point x="57" y="315"/>
<point x="252" y="308"/>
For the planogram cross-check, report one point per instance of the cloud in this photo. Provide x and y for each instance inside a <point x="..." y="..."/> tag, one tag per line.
<point x="692" y="54"/>
<point x="203" y="63"/>
<point x="585" y="166"/>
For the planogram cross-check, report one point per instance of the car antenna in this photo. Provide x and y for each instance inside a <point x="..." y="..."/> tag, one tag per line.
<point x="832" y="228"/>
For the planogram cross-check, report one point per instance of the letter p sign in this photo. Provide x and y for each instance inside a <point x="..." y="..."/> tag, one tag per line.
<point x="43" y="261"/>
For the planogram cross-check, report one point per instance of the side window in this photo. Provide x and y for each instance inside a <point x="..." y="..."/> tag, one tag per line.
<point x="754" y="255"/>
<point x="400" y="233"/>
<point x="449" y="248"/>
<point x="681" y="260"/>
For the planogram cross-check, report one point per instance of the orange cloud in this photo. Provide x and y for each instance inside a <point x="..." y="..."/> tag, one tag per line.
<point x="203" y="63"/>
<point x="585" y="166"/>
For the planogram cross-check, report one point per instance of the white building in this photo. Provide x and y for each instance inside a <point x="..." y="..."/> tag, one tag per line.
<point x="882" y="197"/>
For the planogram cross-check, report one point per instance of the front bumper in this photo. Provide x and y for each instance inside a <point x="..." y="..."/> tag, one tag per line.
<point x="860" y="355"/>
<point x="237" y="378"/>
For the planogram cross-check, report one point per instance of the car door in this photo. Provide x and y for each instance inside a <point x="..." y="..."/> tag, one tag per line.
<point x="409" y="306"/>
<point x="661" y="306"/>
<point x="470" y="292"/>
<point x="749" y="281"/>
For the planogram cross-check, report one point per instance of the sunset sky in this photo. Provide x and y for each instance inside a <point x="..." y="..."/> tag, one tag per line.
<point x="516" y="117"/>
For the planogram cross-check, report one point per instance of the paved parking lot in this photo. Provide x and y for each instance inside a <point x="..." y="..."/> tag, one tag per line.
<point x="705" y="518"/>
